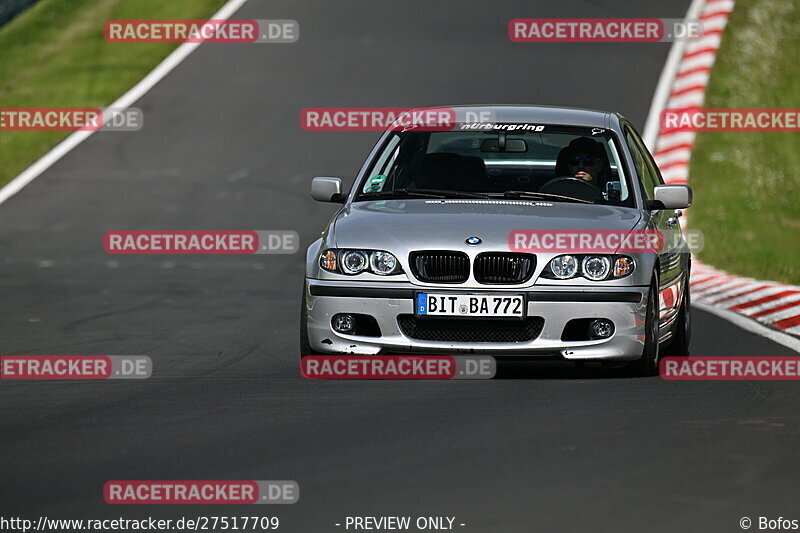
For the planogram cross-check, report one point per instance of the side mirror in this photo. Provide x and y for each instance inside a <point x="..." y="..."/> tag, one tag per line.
<point x="671" y="197"/>
<point x="327" y="190"/>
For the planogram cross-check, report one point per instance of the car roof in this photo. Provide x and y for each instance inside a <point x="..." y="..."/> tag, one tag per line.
<point x="567" y="116"/>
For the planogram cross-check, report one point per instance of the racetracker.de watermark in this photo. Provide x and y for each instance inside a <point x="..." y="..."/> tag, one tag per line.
<point x="602" y="241"/>
<point x="75" y="367"/>
<point x="603" y="30"/>
<point x="377" y="119"/>
<point x="585" y="241"/>
<point x="730" y="368"/>
<point x="218" y="31"/>
<point x="398" y="367"/>
<point x="152" y="242"/>
<point x="70" y="119"/>
<point x="730" y="120"/>
<point x="200" y="492"/>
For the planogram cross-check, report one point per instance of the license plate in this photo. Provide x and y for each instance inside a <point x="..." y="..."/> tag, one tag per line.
<point x="471" y="305"/>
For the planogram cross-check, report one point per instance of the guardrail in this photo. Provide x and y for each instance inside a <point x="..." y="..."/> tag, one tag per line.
<point x="11" y="8"/>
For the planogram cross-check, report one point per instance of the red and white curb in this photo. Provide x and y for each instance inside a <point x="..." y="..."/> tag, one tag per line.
<point x="773" y="304"/>
<point x="683" y="84"/>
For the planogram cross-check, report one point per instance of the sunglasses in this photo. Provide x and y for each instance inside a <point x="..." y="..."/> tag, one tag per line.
<point x="587" y="160"/>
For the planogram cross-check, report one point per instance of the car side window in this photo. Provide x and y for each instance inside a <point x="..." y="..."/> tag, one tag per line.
<point x="639" y="165"/>
<point x="381" y="169"/>
<point x="653" y="175"/>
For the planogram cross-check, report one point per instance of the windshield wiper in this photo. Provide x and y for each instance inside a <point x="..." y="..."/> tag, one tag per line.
<point x="420" y="193"/>
<point x="449" y="194"/>
<point x="539" y="196"/>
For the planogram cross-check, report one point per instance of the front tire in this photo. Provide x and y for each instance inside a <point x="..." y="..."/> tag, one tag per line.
<point x="647" y="365"/>
<point x="679" y="346"/>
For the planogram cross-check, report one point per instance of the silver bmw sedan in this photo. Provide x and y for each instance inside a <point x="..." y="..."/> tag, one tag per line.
<point x="534" y="231"/>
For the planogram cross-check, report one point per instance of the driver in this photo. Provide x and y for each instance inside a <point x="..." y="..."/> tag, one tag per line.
<point x="585" y="159"/>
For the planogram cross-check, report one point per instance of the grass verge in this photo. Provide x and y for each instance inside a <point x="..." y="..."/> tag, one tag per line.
<point x="747" y="185"/>
<point x="54" y="54"/>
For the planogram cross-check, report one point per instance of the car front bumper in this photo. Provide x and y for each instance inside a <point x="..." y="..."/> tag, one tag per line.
<point x="385" y="301"/>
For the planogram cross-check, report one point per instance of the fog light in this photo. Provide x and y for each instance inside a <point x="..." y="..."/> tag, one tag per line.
<point x="344" y="323"/>
<point x="601" y="329"/>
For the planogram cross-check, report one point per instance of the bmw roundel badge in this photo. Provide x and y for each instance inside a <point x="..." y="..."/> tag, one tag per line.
<point x="473" y="241"/>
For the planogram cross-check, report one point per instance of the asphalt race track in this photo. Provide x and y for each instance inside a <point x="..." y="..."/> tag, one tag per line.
<point x="564" y="450"/>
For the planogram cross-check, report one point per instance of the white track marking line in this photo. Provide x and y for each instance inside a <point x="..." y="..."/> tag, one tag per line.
<point x="123" y="102"/>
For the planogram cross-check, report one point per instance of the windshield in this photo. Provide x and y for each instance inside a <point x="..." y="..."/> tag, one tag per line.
<point x="556" y="163"/>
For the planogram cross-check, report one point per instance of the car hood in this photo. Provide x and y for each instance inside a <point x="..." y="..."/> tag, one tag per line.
<point x="445" y="224"/>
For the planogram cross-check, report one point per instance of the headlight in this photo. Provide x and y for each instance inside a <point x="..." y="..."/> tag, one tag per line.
<point x="383" y="263"/>
<point x="564" y="266"/>
<point x="596" y="267"/>
<point x="354" y="261"/>
<point x="592" y="267"/>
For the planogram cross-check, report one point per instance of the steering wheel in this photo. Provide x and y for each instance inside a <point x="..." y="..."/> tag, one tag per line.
<point x="574" y="187"/>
